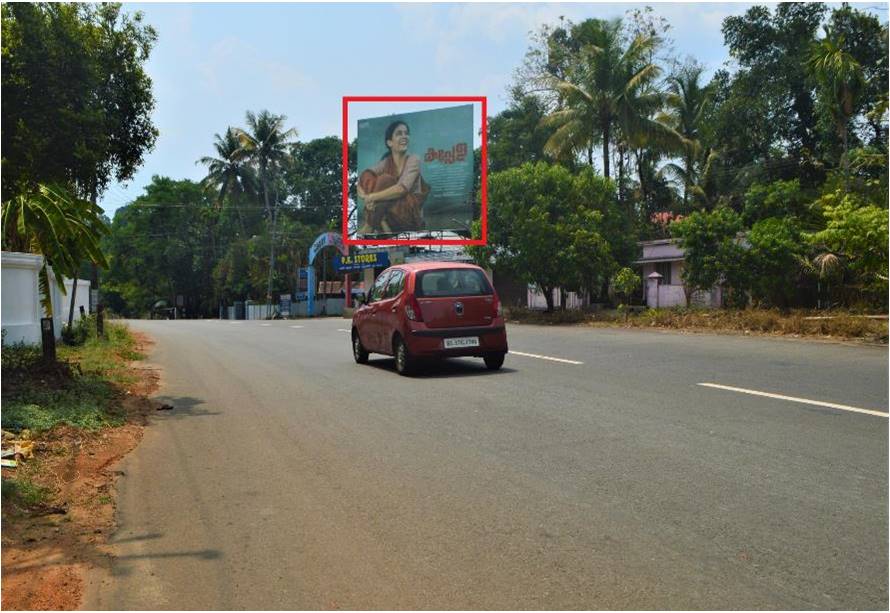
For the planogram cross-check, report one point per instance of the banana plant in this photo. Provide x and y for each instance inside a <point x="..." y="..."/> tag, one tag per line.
<point x="65" y="229"/>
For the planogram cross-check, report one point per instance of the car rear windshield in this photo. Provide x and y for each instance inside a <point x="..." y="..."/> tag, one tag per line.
<point x="452" y="282"/>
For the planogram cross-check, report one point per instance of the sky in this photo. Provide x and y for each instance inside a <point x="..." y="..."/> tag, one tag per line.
<point x="214" y="62"/>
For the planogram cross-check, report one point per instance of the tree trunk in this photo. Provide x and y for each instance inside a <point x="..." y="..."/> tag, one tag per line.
<point x="606" y="137"/>
<point x="73" y="296"/>
<point x="845" y="160"/>
<point x="548" y="296"/>
<point x="265" y="189"/>
<point x="590" y="155"/>
<point x="621" y="174"/>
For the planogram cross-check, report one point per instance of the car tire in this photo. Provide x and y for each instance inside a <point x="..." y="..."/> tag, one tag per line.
<point x="358" y="350"/>
<point x="493" y="361"/>
<point x="404" y="361"/>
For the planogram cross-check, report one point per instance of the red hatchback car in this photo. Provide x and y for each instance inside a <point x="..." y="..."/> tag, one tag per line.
<point x="430" y="310"/>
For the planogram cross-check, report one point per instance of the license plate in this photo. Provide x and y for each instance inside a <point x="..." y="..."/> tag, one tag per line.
<point x="464" y="341"/>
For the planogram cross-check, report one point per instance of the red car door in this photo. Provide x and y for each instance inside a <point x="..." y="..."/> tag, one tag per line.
<point x="370" y="330"/>
<point x="388" y="309"/>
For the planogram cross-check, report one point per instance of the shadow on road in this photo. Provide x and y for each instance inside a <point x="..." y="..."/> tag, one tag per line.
<point x="183" y="406"/>
<point x="443" y="369"/>
<point x="120" y="568"/>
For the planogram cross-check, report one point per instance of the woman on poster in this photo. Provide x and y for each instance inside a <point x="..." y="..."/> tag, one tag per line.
<point x="393" y="190"/>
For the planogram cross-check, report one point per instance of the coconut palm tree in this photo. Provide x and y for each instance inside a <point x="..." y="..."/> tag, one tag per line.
<point x="66" y="230"/>
<point x="229" y="174"/>
<point x="841" y="81"/>
<point x="605" y="88"/>
<point x="266" y="144"/>
<point x="687" y="103"/>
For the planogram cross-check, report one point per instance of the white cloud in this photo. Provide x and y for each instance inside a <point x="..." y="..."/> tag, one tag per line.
<point x="232" y="63"/>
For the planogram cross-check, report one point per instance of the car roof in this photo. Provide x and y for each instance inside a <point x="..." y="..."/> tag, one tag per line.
<point x="422" y="266"/>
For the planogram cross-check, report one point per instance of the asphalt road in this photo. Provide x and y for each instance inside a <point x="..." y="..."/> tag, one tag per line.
<point x="289" y="477"/>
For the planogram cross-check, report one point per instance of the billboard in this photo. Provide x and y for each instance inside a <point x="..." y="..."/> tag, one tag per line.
<point x="416" y="172"/>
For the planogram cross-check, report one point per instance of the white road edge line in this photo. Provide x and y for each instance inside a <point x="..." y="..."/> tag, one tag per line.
<point x="545" y="357"/>
<point x="343" y="330"/>
<point x="818" y="403"/>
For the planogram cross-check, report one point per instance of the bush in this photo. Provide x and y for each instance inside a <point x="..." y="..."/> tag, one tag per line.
<point x="532" y="316"/>
<point x="77" y="333"/>
<point x="19" y="357"/>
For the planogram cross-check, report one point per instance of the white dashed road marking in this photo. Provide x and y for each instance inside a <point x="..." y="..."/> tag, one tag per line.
<point x="265" y="325"/>
<point x="343" y="330"/>
<point x="545" y="357"/>
<point x="295" y="327"/>
<point x="818" y="403"/>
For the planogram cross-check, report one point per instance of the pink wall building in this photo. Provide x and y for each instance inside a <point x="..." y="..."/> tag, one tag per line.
<point x="662" y="268"/>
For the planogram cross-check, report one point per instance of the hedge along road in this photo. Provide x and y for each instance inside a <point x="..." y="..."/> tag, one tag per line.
<point x="288" y="477"/>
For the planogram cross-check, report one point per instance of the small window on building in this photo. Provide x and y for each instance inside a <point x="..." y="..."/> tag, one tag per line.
<point x="664" y="269"/>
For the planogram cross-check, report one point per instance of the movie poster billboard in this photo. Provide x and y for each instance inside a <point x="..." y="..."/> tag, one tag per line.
<point x="416" y="172"/>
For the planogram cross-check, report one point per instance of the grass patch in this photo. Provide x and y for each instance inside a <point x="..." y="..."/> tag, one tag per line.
<point x="24" y="494"/>
<point x="82" y="389"/>
<point x="533" y="316"/>
<point x="766" y="321"/>
<point x="834" y="324"/>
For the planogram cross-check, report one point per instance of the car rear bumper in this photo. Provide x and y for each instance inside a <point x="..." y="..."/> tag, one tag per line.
<point x="429" y="342"/>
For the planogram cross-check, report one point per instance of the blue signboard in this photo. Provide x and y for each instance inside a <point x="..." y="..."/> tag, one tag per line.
<point x="360" y="261"/>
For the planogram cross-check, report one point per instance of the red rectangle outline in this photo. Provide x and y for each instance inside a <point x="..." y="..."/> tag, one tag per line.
<point x="483" y="100"/>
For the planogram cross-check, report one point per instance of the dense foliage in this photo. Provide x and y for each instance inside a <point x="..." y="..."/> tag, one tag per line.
<point x="772" y="173"/>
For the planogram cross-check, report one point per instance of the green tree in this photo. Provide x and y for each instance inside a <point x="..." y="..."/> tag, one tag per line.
<point x="771" y="48"/>
<point x="776" y="199"/>
<point x="775" y="248"/>
<point x="624" y="283"/>
<point x="545" y="225"/>
<point x="314" y="177"/>
<point x="856" y="235"/>
<point x="687" y="105"/>
<point x="265" y="143"/>
<point x="159" y="249"/>
<point x="841" y="81"/>
<point x="517" y="134"/>
<point x="77" y="101"/>
<point x="865" y="39"/>
<point x="602" y="87"/>
<point x="714" y="253"/>
<point x="228" y="174"/>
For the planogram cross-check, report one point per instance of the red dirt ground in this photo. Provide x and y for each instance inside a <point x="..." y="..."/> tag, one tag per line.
<point x="46" y="552"/>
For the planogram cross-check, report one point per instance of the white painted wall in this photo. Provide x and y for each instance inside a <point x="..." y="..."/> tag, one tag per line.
<point x="537" y="300"/>
<point x="81" y="299"/>
<point x="20" y="300"/>
<point x="20" y="309"/>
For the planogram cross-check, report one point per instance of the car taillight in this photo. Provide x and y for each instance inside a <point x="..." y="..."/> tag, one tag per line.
<point x="498" y="310"/>
<point x="412" y="309"/>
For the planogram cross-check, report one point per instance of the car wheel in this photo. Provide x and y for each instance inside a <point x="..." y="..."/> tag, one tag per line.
<point x="494" y="361"/>
<point x="404" y="362"/>
<point x="358" y="350"/>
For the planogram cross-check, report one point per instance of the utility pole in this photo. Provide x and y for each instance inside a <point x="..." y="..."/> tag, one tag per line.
<point x="272" y="253"/>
